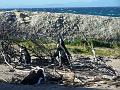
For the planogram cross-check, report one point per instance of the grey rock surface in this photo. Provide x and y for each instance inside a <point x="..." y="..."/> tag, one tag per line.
<point x="69" y="25"/>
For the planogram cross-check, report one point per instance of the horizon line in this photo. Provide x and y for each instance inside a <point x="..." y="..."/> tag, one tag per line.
<point x="54" y="7"/>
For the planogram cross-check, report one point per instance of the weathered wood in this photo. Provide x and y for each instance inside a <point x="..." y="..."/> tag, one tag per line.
<point x="91" y="46"/>
<point x="7" y="62"/>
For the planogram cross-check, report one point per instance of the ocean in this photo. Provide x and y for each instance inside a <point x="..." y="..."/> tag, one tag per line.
<point x="101" y="11"/>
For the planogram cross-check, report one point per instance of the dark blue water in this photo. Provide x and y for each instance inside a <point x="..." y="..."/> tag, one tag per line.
<point x="102" y="11"/>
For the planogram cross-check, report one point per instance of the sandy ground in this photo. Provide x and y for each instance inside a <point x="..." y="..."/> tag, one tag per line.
<point x="115" y="63"/>
<point x="7" y="76"/>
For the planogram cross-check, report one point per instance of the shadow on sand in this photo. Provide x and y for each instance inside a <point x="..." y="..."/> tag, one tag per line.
<point x="42" y="87"/>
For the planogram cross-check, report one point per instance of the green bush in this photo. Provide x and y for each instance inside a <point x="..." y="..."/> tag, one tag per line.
<point x="100" y="43"/>
<point x="94" y="42"/>
<point x="76" y="42"/>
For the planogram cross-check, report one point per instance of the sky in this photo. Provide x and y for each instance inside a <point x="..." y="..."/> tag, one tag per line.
<point x="57" y="3"/>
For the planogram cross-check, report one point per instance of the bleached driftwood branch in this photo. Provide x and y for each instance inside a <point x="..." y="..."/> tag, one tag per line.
<point x="7" y="62"/>
<point x="92" y="48"/>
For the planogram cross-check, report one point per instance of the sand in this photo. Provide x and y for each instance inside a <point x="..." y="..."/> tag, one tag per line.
<point x="6" y="77"/>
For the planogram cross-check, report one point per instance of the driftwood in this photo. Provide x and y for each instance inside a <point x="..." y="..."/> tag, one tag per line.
<point x="3" y="80"/>
<point x="91" y="46"/>
<point x="7" y="62"/>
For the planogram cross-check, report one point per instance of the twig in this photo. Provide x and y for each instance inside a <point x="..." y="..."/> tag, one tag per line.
<point x="7" y="62"/>
<point x="93" y="50"/>
<point x="2" y="79"/>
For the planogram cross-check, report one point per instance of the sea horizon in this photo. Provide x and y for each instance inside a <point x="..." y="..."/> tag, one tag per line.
<point x="101" y="11"/>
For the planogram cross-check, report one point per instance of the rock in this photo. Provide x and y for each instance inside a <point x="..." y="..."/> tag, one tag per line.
<point x="117" y="83"/>
<point x="106" y="77"/>
<point x="116" y="78"/>
<point x="78" y="82"/>
<point x="70" y="25"/>
<point x="96" y="79"/>
<point x="68" y="76"/>
<point x="102" y="82"/>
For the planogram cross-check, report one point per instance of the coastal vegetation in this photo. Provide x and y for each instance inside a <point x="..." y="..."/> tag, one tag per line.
<point x="78" y="46"/>
<point x="35" y="30"/>
<point x="93" y="43"/>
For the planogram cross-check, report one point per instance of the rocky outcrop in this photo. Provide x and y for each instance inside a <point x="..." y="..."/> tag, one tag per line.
<point x="69" y="25"/>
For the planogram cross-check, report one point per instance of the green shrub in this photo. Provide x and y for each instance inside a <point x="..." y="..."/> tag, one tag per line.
<point x="75" y="42"/>
<point x="94" y="42"/>
<point x="100" y="43"/>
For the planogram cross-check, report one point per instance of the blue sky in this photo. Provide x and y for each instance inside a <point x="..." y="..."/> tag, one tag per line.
<point x="57" y="3"/>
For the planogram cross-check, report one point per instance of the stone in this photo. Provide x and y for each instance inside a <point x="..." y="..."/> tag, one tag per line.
<point x="70" y="25"/>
